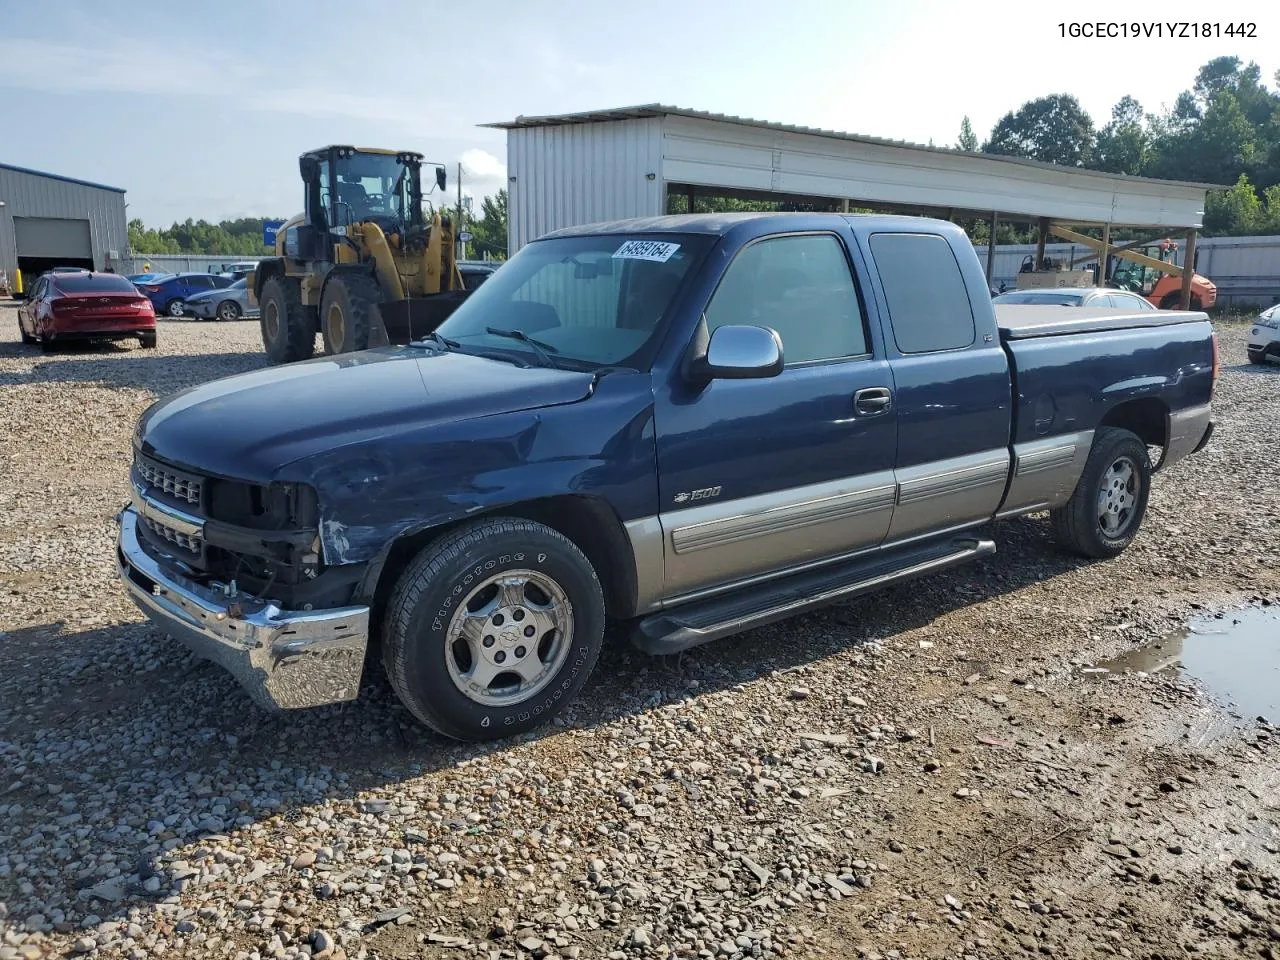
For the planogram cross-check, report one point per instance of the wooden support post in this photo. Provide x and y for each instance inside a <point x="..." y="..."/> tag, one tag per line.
<point x="1188" y="269"/>
<point x="1105" y="255"/>
<point x="991" y="246"/>
<point x="1040" y="242"/>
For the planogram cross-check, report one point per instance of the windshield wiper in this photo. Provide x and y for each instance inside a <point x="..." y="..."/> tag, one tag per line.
<point x="434" y="339"/>
<point x="543" y="350"/>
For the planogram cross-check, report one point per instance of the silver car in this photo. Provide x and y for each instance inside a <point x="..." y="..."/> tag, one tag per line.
<point x="227" y="303"/>
<point x="1264" y="337"/>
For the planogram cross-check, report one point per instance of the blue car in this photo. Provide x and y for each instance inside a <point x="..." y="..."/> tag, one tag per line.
<point x="169" y="294"/>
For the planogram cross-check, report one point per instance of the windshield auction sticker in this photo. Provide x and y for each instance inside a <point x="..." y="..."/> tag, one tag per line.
<point x="655" y="250"/>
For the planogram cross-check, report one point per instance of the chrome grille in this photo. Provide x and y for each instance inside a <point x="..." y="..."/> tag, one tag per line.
<point x="169" y="482"/>
<point x="189" y="543"/>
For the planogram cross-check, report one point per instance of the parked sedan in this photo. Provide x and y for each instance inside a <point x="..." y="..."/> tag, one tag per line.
<point x="169" y="294"/>
<point x="1078" y="297"/>
<point x="227" y="303"/>
<point x="1264" y="337"/>
<point x="62" y="307"/>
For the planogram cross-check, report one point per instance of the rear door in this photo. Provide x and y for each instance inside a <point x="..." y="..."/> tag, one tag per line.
<point x="759" y="475"/>
<point x="952" y="384"/>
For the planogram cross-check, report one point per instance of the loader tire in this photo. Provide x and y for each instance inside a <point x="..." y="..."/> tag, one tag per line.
<point x="348" y="312"/>
<point x="288" y="327"/>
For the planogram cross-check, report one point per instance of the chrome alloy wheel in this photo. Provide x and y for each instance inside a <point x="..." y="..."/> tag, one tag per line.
<point x="509" y="638"/>
<point x="1118" y="497"/>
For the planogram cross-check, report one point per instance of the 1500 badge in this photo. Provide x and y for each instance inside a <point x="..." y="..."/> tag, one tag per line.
<point x="706" y="493"/>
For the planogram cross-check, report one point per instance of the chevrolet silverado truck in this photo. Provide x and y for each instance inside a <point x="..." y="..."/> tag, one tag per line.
<point x="685" y="426"/>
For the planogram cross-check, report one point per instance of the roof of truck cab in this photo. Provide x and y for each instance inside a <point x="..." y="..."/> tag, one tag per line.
<point x="720" y="223"/>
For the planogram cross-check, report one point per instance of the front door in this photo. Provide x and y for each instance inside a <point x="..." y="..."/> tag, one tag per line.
<point x="757" y="475"/>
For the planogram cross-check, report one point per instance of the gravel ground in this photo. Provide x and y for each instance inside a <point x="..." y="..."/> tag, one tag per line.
<point x="928" y="772"/>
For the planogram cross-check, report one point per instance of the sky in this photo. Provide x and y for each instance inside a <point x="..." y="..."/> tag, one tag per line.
<point x="201" y="110"/>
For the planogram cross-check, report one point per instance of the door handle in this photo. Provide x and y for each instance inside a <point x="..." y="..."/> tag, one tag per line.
<point x="872" y="400"/>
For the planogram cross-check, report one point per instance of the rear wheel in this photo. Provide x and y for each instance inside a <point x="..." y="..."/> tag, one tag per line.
<point x="147" y="340"/>
<point x="288" y="331"/>
<point x="493" y="629"/>
<point x="1104" y="514"/>
<point x="348" y="311"/>
<point x="228" y="310"/>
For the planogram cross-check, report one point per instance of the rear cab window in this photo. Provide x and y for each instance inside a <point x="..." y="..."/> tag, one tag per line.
<point x="929" y="308"/>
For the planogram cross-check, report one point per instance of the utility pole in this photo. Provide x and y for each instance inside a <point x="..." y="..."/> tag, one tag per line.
<point x="461" y="251"/>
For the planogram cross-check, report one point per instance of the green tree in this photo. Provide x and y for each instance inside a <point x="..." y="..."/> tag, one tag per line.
<point x="1053" y="129"/>
<point x="489" y="233"/>
<point x="1271" y="210"/>
<point x="1122" y="144"/>
<point x="1237" y="211"/>
<point x="968" y="141"/>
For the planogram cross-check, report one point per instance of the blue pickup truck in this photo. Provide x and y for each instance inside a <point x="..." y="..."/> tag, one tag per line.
<point x="685" y="426"/>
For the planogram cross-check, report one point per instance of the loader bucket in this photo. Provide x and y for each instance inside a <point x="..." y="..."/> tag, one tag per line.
<point x="415" y="317"/>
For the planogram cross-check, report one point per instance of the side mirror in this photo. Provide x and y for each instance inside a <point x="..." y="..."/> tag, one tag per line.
<point x="441" y="178"/>
<point x="738" y="352"/>
<point x="309" y="168"/>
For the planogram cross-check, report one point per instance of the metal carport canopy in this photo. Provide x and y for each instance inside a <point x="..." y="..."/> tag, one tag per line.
<point x="734" y="155"/>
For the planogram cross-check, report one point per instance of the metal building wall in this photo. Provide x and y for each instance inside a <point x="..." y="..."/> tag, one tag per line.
<point x="562" y="176"/>
<point x="32" y="194"/>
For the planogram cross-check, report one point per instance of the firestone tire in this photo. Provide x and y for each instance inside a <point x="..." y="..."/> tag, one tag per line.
<point x="288" y="330"/>
<point x="1110" y="501"/>
<point x="348" y="312"/>
<point x="489" y="586"/>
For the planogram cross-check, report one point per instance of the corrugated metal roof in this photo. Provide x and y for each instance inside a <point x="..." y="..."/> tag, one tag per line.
<point x="662" y="110"/>
<point x="58" y="176"/>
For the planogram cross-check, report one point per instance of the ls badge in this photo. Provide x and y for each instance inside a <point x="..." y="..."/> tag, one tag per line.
<point x="706" y="493"/>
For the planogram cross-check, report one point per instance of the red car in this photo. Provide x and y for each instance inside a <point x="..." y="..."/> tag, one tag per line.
<point x="64" y="306"/>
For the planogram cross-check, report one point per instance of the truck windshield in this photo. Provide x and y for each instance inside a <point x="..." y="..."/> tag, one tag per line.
<point x="597" y="300"/>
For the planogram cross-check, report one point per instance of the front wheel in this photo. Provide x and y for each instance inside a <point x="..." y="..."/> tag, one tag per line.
<point x="228" y="310"/>
<point x="288" y="330"/>
<point x="348" y="312"/>
<point x="1105" y="511"/>
<point x="175" y="308"/>
<point x="493" y="629"/>
<point x="26" y="337"/>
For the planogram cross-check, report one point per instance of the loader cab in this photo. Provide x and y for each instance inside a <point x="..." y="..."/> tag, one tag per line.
<point x="347" y="185"/>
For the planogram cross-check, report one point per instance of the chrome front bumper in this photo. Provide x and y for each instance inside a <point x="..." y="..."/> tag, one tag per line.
<point x="284" y="658"/>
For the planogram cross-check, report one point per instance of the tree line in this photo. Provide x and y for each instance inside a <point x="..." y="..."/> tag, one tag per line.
<point x="243" y="237"/>
<point x="1224" y="130"/>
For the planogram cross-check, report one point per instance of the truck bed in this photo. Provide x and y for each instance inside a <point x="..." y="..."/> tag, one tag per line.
<point x="1026" y="321"/>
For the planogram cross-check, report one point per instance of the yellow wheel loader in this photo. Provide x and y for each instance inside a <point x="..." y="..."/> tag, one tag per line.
<point x="366" y="264"/>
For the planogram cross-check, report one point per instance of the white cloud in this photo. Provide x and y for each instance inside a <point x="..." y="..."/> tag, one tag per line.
<point x="483" y="174"/>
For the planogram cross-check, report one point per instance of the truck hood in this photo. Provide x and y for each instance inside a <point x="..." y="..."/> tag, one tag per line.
<point x="250" y="425"/>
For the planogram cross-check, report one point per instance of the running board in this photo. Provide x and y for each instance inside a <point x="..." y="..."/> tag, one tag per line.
<point x="671" y="631"/>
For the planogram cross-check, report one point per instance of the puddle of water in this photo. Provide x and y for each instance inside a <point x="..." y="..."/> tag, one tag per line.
<point x="1235" y="659"/>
